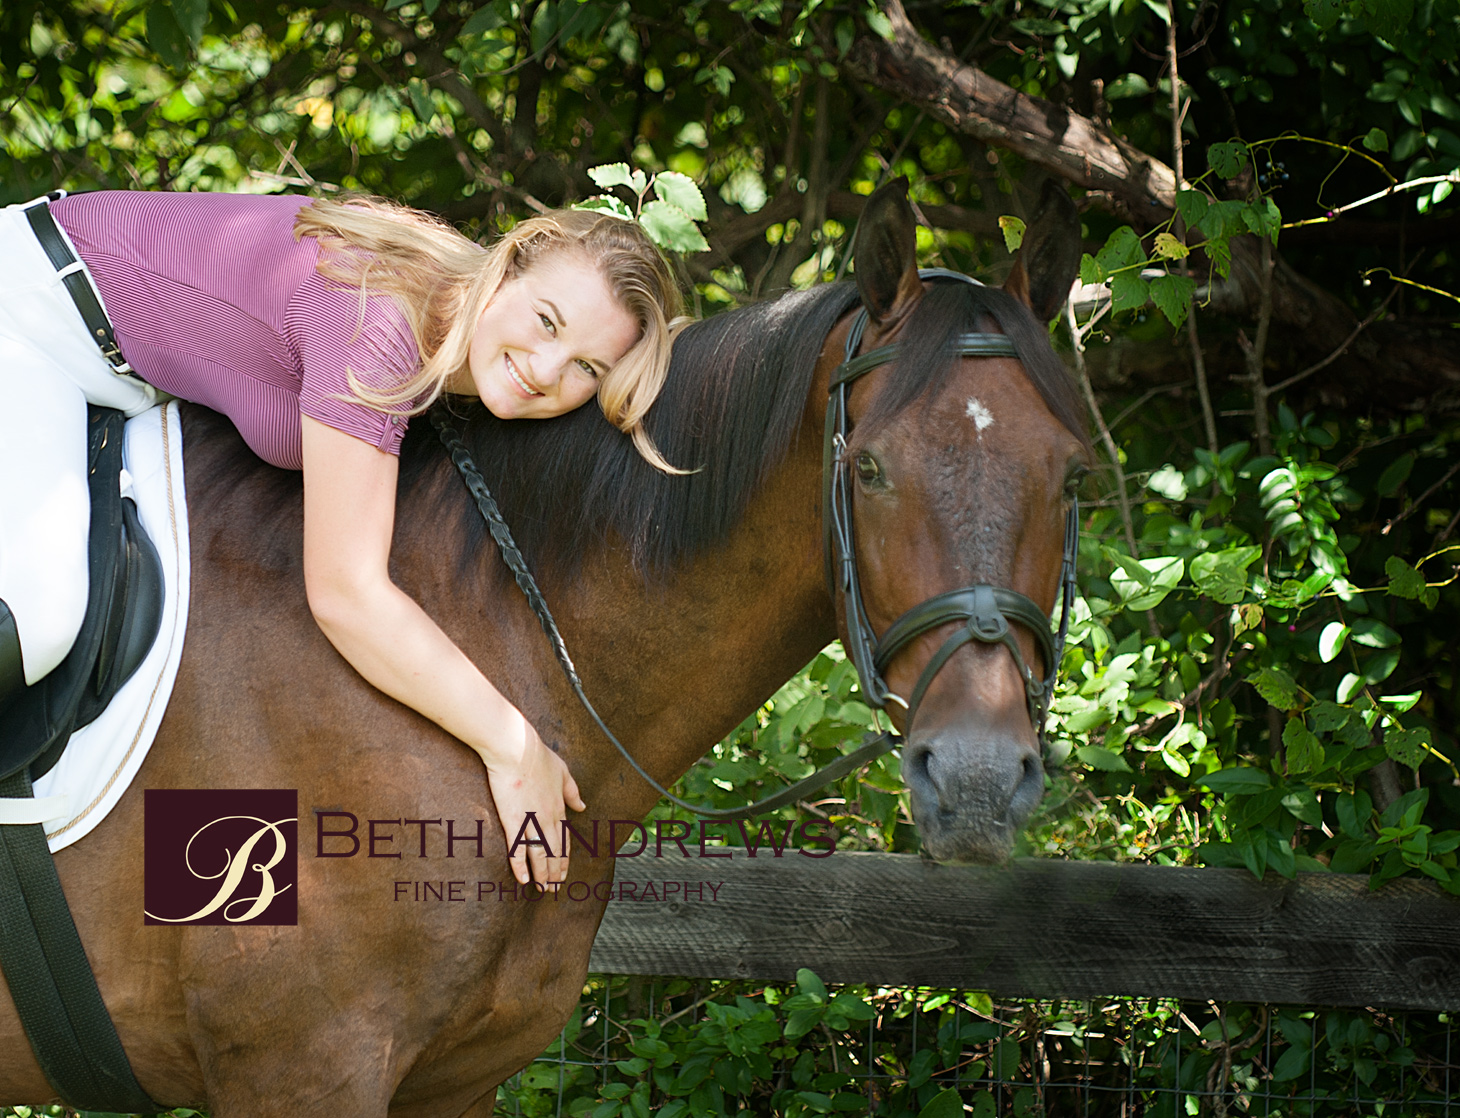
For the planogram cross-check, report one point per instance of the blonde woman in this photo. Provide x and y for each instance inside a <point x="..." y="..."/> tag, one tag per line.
<point x="320" y="329"/>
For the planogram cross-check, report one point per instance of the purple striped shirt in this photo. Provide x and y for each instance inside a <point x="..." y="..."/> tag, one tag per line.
<point x="214" y="301"/>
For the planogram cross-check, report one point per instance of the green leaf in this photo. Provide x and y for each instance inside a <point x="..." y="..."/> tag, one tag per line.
<point x="1192" y="205"/>
<point x="1239" y="781"/>
<point x="1381" y="665"/>
<point x="1038" y="26"/>
<point x="946" y="1104"/>
<point x="1296" y="1060"/>
<point x="1387" y="18"/>
<point x="808" y="983"/>
<point x="166" y="37"/>
<point x="1172" y="294"/>
<point x="1127" y="85"/>
<point x="1222" y="575"/>
<point x="1395" y="475"/>
<point x="680" y="190"/>
<point x="609" y="175"/>
<point x="1376" y="140"/>
<point x="1324" y="13"/>
<point x="1407" y="747"/>
<point x="420" y="95"/>
<point x="1227" y="159"/>
<point x="671" y="228"/>
<point x="1406" y="582"/>
<point x="1327" y="717"/>
<point x="1013" y="229"/>
<point x="1121" y="249"/>
<point x="606" y="203"/>
<point x="1401" y="703"/>
<point x="1374" y="634"/>
<point x="879" y="24"/>
<point x="1106" y="760"/>
<point x="1353" y="811"/>
<point x="1143" y="584"/>
<point x="1331" y="640"/>
<point x="1303" y="803"/>
<point x="482" y="20"/>
<point x="1129" y="291"/>
<point x="1304" y="753"/>
<point x="1276" y="686"/>
<point x="1090" y="270"/>
<point x="1169" y="248"/>
<point x="191" y="16"/>
<point x="1349" y="686"/>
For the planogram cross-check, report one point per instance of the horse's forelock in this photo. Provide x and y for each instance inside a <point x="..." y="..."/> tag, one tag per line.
<point x="925" y="353"/>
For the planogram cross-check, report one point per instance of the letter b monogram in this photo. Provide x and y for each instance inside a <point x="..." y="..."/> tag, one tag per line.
<point x="221" y="856"/>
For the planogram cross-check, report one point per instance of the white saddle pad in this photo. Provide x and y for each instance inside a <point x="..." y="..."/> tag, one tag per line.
<point x="102" y="758"/>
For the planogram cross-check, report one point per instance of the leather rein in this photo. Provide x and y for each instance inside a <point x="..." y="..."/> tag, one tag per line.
<point x="986" y="610"/>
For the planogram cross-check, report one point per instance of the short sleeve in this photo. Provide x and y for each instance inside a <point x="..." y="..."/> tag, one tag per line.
<point x="323" y="324"/>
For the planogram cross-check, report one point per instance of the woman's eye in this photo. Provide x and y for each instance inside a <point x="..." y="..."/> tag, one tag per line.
<point x="548" y="324"/>
<point x="587" y="368"/>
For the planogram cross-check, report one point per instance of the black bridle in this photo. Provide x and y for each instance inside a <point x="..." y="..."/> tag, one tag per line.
<point x="987" y="610"/>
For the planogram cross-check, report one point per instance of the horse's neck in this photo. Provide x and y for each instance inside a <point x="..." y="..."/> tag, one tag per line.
<point x="671" y="667"/>
<point x="675" y="668"/>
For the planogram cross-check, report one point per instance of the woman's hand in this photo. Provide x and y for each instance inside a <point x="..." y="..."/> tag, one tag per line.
<point x="536" y="780"/>
<point x="349" y="517"/>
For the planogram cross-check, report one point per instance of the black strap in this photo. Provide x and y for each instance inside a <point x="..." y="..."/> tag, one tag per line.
<point x="50" y="979"/>
<point x="873" y="747"/>
<point x="77" y="283"/>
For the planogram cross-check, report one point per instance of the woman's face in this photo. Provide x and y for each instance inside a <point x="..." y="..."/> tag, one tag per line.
<point x="547" y="338"/>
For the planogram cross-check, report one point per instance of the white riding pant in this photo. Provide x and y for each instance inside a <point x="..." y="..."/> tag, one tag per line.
<point x="49" y="369"/>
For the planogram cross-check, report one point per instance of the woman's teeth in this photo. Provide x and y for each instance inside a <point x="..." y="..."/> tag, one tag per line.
<point x="522" y="384"/>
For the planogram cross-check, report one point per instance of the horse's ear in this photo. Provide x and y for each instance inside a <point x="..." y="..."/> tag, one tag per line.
<point x="886" y="253"/>
<point x="1049" y="259"/>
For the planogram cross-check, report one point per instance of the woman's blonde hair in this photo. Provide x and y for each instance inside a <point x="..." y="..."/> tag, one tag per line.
<point x="442" y="281"/>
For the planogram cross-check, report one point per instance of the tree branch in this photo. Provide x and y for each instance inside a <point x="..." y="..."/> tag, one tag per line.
<point x="1048" y="135"/>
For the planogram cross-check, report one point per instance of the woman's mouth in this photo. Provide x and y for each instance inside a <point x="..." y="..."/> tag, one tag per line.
<point x="517" y="378"/>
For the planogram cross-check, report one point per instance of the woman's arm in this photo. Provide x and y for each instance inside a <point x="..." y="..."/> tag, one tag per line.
<point x="349" y="516"/>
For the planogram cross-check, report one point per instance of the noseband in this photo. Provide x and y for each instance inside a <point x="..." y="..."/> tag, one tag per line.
<point x="984" y="612"/>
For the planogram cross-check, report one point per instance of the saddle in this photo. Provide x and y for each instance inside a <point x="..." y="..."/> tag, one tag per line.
<point x="123" y="614"/>
<point x="41" y="955"/>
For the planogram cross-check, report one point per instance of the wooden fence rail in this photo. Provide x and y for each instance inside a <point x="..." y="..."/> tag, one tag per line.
<point x="1036" y="928"/>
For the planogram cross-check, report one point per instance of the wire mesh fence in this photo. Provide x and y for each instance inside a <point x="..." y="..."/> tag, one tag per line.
<point x="678" y="1048"/>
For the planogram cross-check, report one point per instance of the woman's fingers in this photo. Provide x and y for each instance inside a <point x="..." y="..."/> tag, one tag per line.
<point x="544" y="787"/>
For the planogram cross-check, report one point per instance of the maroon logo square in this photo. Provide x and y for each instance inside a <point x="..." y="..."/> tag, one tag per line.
<point x="221" y="856"/>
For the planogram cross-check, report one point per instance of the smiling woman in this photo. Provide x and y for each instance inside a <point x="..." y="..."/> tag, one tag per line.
<point x="320" y="329"/>
<point x="546" y="340"/>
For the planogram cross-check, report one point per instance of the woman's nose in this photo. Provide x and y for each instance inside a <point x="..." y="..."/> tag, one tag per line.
<point x="549" y="365"/>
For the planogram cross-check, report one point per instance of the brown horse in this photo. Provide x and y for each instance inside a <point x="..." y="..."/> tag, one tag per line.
<point x="686" y="601"/>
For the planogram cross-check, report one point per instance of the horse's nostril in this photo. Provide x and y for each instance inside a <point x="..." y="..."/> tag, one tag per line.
<point x="916" y="764"/>
<point x="1029" y="789"/>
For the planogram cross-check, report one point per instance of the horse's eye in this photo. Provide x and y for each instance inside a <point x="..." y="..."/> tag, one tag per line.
<point x="1075" y="478"/>
<point x="867" y="467"/>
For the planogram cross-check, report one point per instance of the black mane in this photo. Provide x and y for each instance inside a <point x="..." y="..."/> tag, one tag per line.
<point x="729" y="410"/>
<point x="730" y="406"/>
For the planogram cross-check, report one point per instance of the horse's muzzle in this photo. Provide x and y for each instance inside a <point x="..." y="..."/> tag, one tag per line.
<point x="972" y="791"/>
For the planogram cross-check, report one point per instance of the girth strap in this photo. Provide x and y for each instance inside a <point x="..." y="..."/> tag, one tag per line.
<point x="50" y="979"/>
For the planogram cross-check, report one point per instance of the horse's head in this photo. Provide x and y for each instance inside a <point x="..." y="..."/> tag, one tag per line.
<point x="960" y="467"/>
